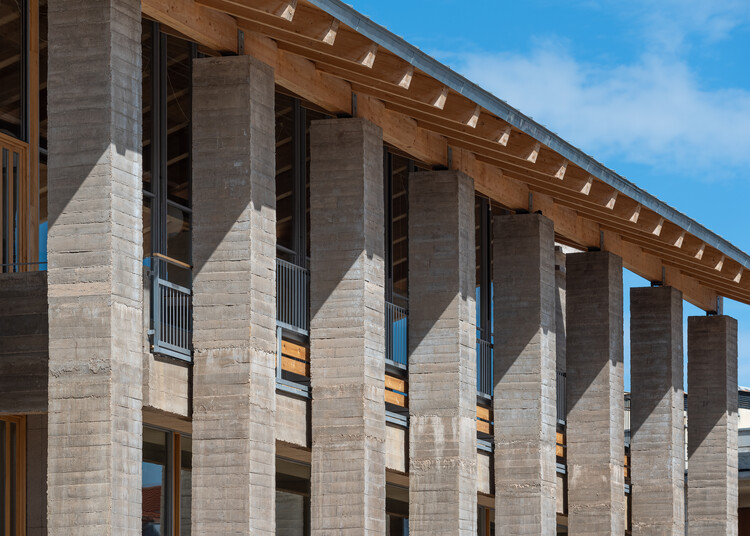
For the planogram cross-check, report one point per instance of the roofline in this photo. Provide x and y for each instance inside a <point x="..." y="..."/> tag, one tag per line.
<point x="426" y="63"/>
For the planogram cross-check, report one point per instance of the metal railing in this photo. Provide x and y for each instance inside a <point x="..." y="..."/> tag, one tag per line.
<point x="484" y="368"/>
<point x="292" y="297"/>
<point x="396" y="335"/>
<point x="562" y="409"/>
<point x="172" y="313"/>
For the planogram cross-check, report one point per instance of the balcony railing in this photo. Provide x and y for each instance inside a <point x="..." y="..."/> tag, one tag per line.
<point x="396" y="335"/>
<point x="484" y="368"/>
<point x="172" y="312"/>
<point x="562" y="409"/>
<point x="292" y="297"/>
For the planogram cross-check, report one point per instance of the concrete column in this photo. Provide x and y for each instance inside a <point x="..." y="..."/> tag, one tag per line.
<point x="595" y="424"/>
<point x="442" y="355"/>
<point x="234" y="297"/>
<point x="657" y="445"/>
<point x="560" y="301"/>
<point x="95" y="286"/>
<point x="712" y="425"/>
<point x="347" y="330"/>
<point x="524" y="400"/>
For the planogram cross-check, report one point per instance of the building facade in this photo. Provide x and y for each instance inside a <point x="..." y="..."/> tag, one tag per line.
<point x="269" y="269"/>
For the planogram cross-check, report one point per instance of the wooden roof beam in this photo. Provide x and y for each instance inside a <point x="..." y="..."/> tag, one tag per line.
<point x="201" y="24"/>
<point x="300" y="76"/>
<point x="402" y="131"/>
<point x="309" y="27"/>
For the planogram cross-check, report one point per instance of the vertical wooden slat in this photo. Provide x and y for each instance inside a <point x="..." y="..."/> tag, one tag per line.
<point x="21" y="478"/>
<point x="6" y="506"/>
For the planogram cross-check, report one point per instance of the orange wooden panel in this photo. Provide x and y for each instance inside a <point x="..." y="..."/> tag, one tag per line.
<point x="297" y="367"/>
<point x="483" y="426"/>
<point x="483" y="413"/>
<point x="395" y="398"/>
<point x="560" y="438"/>
<point x="395" y="384"/>
<point x="295" y="350"/>
<point x="559" y="451"/>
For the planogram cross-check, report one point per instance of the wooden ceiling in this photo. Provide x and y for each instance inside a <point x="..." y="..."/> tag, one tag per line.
<point x="333" y="66"/>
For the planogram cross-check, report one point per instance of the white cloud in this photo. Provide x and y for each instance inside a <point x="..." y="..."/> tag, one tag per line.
<point x="670" y="23"/>
<point x="653" y="111"/>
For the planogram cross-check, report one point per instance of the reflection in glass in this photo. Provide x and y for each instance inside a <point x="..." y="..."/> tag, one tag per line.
<point x="146" y="227"/>
<point x="147" y="46"/>
<point x="285" y="173"/>
<point x="292" y="498"/>
<point x="178" y="80"/>
<point x="154" y="481"/>
<point x="12" y="59"/>
<point x="397" y="511"/>
<point x="43" y="49"/>
<point x="400" y="226"/>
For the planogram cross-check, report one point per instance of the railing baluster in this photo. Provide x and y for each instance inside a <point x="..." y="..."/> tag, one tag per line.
<point x="292" y="295"/>
<point x="172" y="319"/>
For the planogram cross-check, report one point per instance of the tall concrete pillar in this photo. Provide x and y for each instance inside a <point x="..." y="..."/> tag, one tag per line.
<point x="524" y="400"/>
<point x="95" y="286"/>
<point x="442" y="355"/>
<point x="560" y="301"/>
<point x="595" y="424"/>
<point x="712" y="425"/>
<point x="234" y="297"/>
<point x="657" y="444"/>
<point x="347" y="329"/>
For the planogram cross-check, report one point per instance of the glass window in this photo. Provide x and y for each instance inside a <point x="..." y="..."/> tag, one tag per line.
<point x="166" y="494"/>
<point x="167" y="72"/>
<point x="292" y="498"/>
<point x="485" y="521"/>
<point x="154" y="482"/>
<point x="12" y="59"/>
<point x="285" y="175"/>
<point x="147" y="38"/>
<point x="43" y="218"/>
<point x="186" y="484"/>
<point x="293" y="178"/>
<point x="397" y="510"/>
<point x="179" y="56"/>
<point x="400" y="226"/>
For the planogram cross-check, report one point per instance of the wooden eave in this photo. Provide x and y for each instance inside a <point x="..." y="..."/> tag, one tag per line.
<point x="332" y="56"/>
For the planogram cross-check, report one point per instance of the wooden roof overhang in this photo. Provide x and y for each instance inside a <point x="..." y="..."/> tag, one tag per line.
<point x="336" y="58"/>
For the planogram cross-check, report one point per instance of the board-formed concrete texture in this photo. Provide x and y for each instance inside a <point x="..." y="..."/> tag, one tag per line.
<point x="595" y="423"/>
<point x="95" y="287"/>
<point x="234" y="297"/>
<point x="524" y="403"/>
<point x="347" y="329"/>
<point x="442" y="355"/>
<point x="657" y="401"/>
<point x="712" y="425"/>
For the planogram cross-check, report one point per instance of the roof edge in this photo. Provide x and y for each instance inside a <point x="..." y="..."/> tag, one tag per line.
<point x="411" y="54"/>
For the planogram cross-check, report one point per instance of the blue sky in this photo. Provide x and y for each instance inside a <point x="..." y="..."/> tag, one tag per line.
<point x="657" y="91"/>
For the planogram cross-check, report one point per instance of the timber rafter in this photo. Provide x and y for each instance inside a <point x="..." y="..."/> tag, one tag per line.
<point x="325" y="61"/>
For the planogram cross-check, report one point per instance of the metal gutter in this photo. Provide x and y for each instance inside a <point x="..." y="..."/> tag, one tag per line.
<point x="398" y="46"/>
